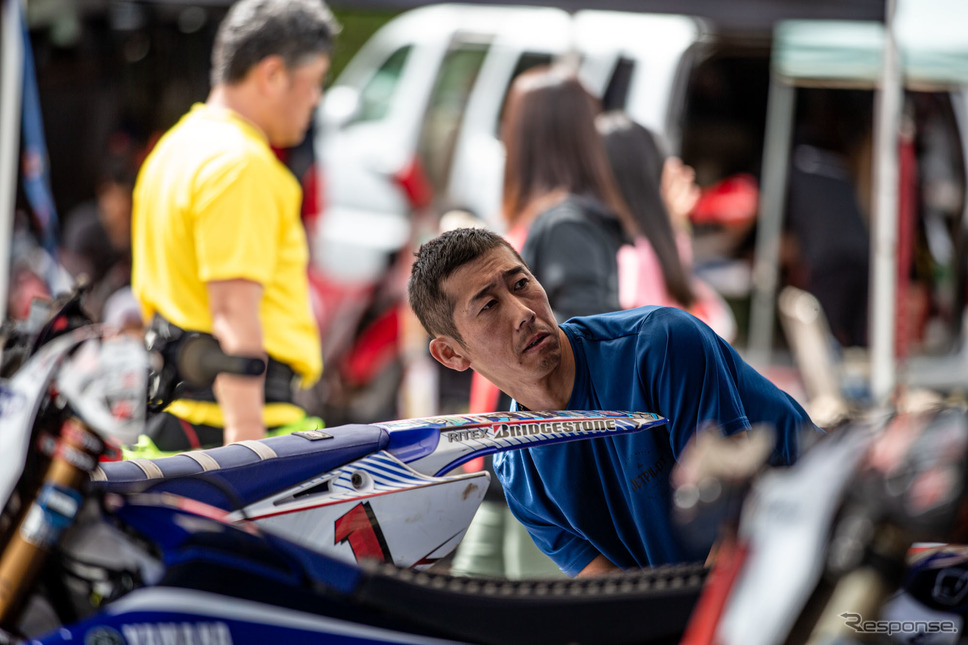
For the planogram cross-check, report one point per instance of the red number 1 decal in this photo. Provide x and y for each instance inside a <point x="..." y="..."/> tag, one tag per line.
<point x="360" y="527"/>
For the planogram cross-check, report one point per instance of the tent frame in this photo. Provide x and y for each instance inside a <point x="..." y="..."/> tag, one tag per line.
<point x="884" y="237"/>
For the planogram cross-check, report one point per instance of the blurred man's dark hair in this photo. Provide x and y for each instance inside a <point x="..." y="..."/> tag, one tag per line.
<point x="252" y="30"/>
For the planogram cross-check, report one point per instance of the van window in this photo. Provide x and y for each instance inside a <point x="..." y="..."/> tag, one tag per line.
<point x="526" y="62"/>
<point x="452" y="88"/>
<point x="617" y="91"/>
<point x="377" y="94"/>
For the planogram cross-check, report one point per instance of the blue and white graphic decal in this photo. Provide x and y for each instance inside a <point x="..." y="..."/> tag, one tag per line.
<point x="464" y="437"/>
<point x="376" y="474"/>
<point x="375" y="508"/>
<point x="379" y="473"/>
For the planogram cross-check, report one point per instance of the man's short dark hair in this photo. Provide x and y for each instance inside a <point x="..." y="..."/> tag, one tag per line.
<point x="435" y="261"/>
<point x="255" y="29"/>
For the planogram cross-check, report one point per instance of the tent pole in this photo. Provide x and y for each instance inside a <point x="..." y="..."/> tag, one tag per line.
<point x="883" y="305"/>
<point x="11" y="77"/>
<point x="776" y="153"/>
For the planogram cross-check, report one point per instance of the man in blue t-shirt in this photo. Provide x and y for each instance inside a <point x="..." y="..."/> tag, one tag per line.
<point x="597" y="505"/>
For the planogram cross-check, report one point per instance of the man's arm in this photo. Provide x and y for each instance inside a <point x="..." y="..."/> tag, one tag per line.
<point x="234" y="305"/>
<point x="600" y="566"/>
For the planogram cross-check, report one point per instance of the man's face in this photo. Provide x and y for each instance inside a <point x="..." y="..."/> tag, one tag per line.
<point x="301" y="89"/>
<point x="509" y="332"/>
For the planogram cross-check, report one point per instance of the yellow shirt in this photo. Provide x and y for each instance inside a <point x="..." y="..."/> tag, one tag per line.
<point x="212" y="202"/>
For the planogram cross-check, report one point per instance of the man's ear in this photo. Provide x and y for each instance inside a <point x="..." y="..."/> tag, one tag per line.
<point x="271" y="71"/>
<point x="448" y="353"/>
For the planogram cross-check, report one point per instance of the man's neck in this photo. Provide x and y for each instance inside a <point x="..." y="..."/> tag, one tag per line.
<point x="554" y="391"/>
<point x="235" y="98"/>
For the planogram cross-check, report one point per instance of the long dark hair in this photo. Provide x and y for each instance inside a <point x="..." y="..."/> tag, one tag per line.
<point x="636" y="161"/>
<point x="551" y="143"/>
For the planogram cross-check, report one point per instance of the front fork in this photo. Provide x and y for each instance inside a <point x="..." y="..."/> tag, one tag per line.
<point x="73" y="456"/>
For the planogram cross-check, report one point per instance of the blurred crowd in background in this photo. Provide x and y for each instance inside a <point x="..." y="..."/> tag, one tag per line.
<point x="114" y="75"/>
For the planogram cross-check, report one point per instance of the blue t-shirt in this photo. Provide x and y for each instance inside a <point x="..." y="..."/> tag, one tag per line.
<point x="612" y="495"/>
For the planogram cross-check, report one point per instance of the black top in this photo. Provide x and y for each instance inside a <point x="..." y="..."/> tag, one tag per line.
<point x="571" y="249"/>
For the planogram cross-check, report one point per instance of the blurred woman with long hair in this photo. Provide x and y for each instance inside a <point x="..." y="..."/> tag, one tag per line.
<point x="560" y="202"/>
<point x="659" y="192"/>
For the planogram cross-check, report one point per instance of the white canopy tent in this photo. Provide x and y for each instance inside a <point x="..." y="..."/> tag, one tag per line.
<point x="921" y="44"/>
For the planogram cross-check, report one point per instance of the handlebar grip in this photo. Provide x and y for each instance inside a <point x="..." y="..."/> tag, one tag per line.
<point x="200" y="359"/>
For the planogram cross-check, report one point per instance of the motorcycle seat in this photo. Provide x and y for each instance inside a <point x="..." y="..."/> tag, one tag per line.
<point x="238" y="474"/>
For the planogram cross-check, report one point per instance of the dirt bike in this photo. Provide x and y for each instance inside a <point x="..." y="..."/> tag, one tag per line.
<point x="858" y="542"/>
<point x="100" y="562"/>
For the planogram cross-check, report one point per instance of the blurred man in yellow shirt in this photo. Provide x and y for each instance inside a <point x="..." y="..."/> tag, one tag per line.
<point x="217" y="242"/>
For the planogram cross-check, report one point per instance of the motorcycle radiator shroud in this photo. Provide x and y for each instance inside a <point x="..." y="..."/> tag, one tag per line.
<point x="387" y="491"/>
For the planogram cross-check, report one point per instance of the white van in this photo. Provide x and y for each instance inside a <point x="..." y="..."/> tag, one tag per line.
<point x="414" y="116"/>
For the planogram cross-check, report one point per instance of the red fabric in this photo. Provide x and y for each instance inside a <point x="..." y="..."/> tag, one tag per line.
<point x="312" y="198"/>
<point x="906" y="328"/>
<point x="414" y="182"/>
<point x="734" y="200"/>
<point x="705" y="618"/>
<point x="484" y="395"/>
<point x="328" y="297"/>
<point x="373" y="350"/>
<point x="190" y="434"/>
